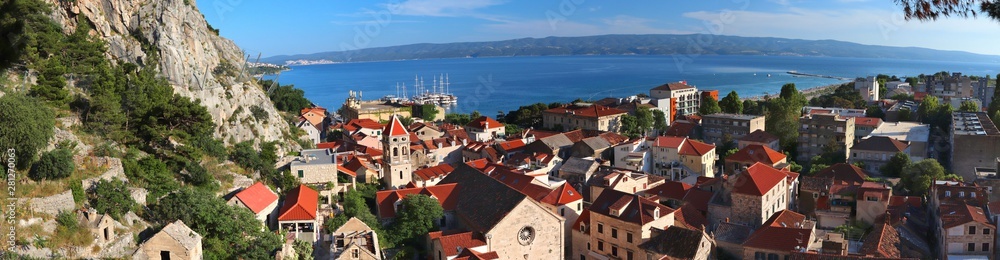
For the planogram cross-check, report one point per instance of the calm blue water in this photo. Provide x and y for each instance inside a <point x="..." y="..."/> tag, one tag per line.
<point x="504" y="83"/>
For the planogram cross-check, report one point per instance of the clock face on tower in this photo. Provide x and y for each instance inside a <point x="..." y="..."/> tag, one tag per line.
<point x="526" y="235"/>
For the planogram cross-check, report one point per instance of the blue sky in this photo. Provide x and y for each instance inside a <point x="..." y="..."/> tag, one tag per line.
<point x="296" y="27"/>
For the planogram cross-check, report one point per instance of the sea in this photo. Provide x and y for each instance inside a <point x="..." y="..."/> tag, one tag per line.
<point x="501" y="84"/>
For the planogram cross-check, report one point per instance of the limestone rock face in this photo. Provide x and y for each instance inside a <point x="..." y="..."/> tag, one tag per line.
<point x="189" y="54"/>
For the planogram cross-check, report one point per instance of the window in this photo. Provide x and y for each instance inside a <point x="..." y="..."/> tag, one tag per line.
<point x="300" y="174"/>
<point x="628" y="255"/>
<point x="614" y="233"/>
<point x="583" y="257"/>
<point x="759" y="256"/>
<point x="986" y="231"/>
<point x="972" y="230"/>
<point x="972" y="247"/>
<point x="628" y="237"/>
<point x="614" y="250"/>
<point x="579" y="206"/>
<point x="772" y="256"/>
<point x="562" y="212"/>
<point x="986" y="247"/>
<point x="600" y="228"/>
<point x="600" y="245"/>
<point x="947" y="193"/>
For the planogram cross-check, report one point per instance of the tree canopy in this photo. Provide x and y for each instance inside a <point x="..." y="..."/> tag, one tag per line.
<point x="782" y="117"/>
<point x="419" y="215"/>
<point x="228" y="231"/>
<point x="895" y="166"/>
<point x="27" y="127"/>
<point x="55" y="164"/>
<point x="969" y="106"/>
<point x="709" y="106"/>
<point x="917" y="177"/>
<point x="112" y="197"/>
<point x="731" y="103"/>
<point x="925" y="10"/>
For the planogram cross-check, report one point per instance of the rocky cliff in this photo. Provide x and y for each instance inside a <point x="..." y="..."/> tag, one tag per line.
<point x="197" y="62"/>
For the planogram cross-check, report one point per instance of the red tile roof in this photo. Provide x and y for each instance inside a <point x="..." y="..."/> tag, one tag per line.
<point x="882" y="144"/>
<point x="673" y="86"/>
<point x="953" y="215"/>
<point x="513" y="145"/>
<point x="315" y="115"/>
<point x="365" y="123"/>
<point x="483" y="121"/>
<point x="759" y="136"/>
<point x="696" y="148"/>
<point x="592" y="111"/>
<point x="450" y="243"/>
<point x="843" y="172"/>
<point x="758" y="179"/>
<point x="562" y="195"/>
<point x="395" y="128"/>
<point x="670" y="190"/>
<point x="257" y="197"/>
<point x="669" y="141"/>
<point x="386" y="199"/>
<point x="632" y="208"/>
<point x="780" y="233"/>
<point x="584" y="219"/>
<point x="333" y="146"/>
<point x="867" y="121"/>
<point x="344" y="170"/>
<point x="680" y="128"/>
<point x="756" y="153"/>
<point x="438" y="171"/>
<point x="690" y="217"/>
<point x="469" y="254"/>
<point x="882" y="241"/>
<point x="301" y="203"/>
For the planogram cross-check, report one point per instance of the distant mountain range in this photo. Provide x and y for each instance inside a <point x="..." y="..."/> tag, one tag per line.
<point x="656" y="44"/>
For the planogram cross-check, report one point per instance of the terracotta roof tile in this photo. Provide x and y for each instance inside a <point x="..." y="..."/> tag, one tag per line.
<point x="675" y="243"/>
<point x="756" y="153"/>
<point x="671" y="190"/>
<point x="953" y="215"/>
<point x="395" y="128"/>
<point x="592" y="111"/>
<point x="843" y="172"/>
<point x="257" y="197"/>
<point x="780" y="233"/>
<point x="882" y="241"/>
<point x="469" y="254"/>
<point x="758" y="179"/>
<point x="386" y="199"/>
<point x="344" y="170"/>
<point x="681" y="129"/>
<point x="669" y="141"/>
<point x="673" y="86"/>
<point x="450" y="243"/>
<point x="882" y="144"/>
<point x="632" y="208"/>
<point x="438" y="171"/>
<point x="696" y="148"/>
<point x="867" y="121"/>
<point x="301" y="203"/>
<point x="759" y="136"/>
<point x="482" y="122"/>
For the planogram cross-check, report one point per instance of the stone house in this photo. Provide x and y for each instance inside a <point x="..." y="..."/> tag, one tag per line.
<point x="618" y="223"/>
<point x="485" y="129"/>
<point x="365" y="126"/>
<point x="595" y="147"/>
<point x="963" y="230"/>
<point x="620" y="180"/>
<point x="757" y="193"/>
<point x="576" y="171"/>
<point x="759" y="137"/>
<point x="559" y="145"/>
<point x="102" y="226"/>
<point x="299" y="214"/>
<point x="355" y="240"/>
<point x="315" y="166"/>
<point x="175" y="241"/>
<point x="260" y="200"/>
<point x="872" y="202"/>
<point x="783" y="233"/>
<point x="513" y="224"/>
<point x="675" y="242"/>
<point x="366" y="169"/>
<point x="876" y="151"/>
<point x="425" y="131"/>
<point x="510" y="147"/>
<point x="729" y="238"/>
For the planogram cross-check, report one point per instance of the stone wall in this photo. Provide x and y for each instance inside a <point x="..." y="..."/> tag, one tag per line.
<point x="52" y="204"/>
<point x="115" y="171"/>
<point x="548" y="238"/>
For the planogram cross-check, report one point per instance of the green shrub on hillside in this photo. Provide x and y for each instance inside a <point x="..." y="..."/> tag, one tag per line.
<point x="53" y="165"/>
<point x="27" y="127"/>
